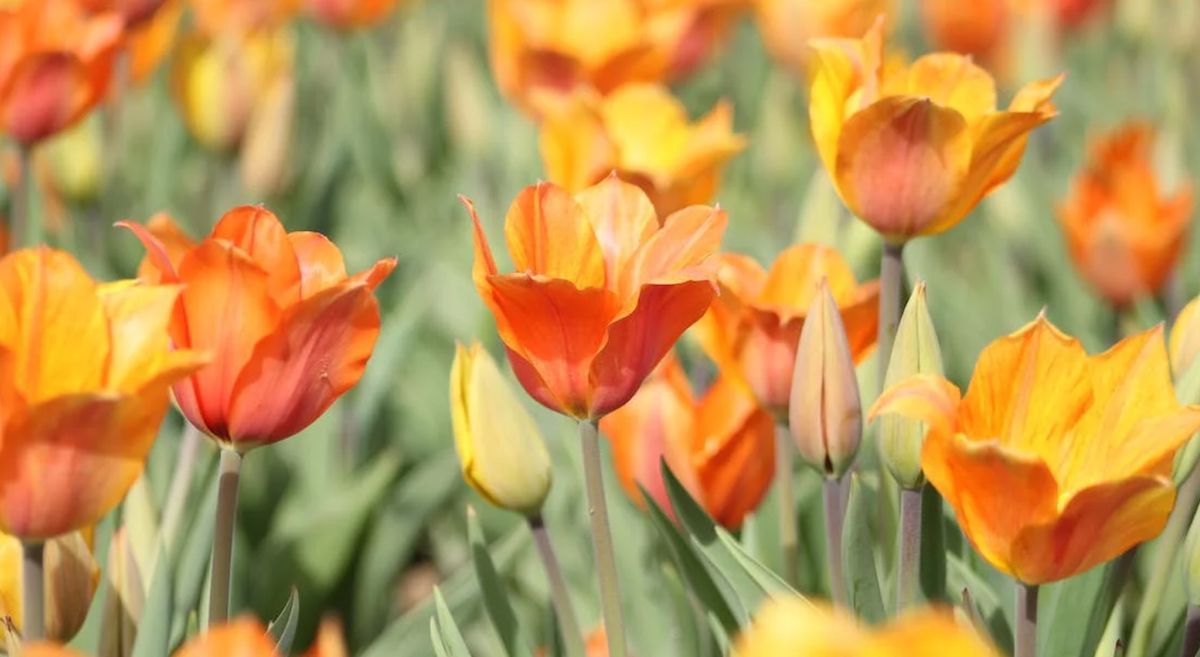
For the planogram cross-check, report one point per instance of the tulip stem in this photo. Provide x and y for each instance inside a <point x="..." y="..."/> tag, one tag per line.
<point x="908" y="573"/>
<point x="229" y="474"/>
<point x="33" y="583"/>
<point x="560" y="597"/>
<point x="1191" y="632"/>
<point x="19" y="230"/>
<point x="789" y="541"/>
<point x="891" y="282"/>
<point x="1025" y="644"/>
<point x="833" y="492"/>
<point x="606" y="566"/>
<point x="181" y="483"/>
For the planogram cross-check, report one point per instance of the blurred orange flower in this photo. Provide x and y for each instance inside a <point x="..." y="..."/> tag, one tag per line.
<point x="752" y="329"/>
<point x="289" y="331"/>
<point x="82" y="392"/>
<point x="1125" y="235"/>
<point x="601" y="292"/>
<point x="788" y="25"/>
<point x="55" y="65"/>
<point x="913" y="149"/>
<point x="132" y="12"/>
<point x="238" y="17"/>
<point x="150" y="42"/>
<point x="721" y="446"/>
<point x="642" y="132"/>
<point x="243" y="637"/>
<point x="331" y="641"/>
<point x="350" y="14"/>
<point x="1054" y="461"/>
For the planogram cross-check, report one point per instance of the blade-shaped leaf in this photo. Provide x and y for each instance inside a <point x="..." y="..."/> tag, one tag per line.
<point x="283" y="628"/>
<point x="495" y="597"/>
<point x="154" y="627"/>
<point x="447" y="639"/>
<point x="858" y="557"/>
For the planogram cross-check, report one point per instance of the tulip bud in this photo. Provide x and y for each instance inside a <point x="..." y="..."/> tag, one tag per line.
<point x="73" y="157"/>
<point x="501" y="451"/>
<point x="1185" y="338"/>
<point x="824" y="411"/>
<point x="915" y="351"/>
<point x="71" y="576"/>
<point x="1191" y="562"/>
<point x="268" y="136"/>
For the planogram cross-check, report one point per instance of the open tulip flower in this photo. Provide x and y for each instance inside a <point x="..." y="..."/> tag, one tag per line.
<point x="787" y="25"/>
<point x="601" y="292"/>
<point x="642" y="132"/>
<point x="56" y="62"/>
<point x="84" y="387"/>
<point x="753" y="327"/>
<point x="795" y="626"/>
<point x="913" y="149"/>
<point x="720" y="446"/>
<point x="1125" y="235"/>
<point x="1054" y="461"/>
<point x="289" y="331"/>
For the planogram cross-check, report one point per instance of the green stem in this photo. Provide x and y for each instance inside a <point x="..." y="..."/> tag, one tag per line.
<point x="33" y="590"/>
<point x="181" y="483"/>
<point x="560" y="597"/>
<point x="606" y="565"/>
<point x="835" y="518"/>
<point x="1025" y="632"/>
<point x="789" y="541"/>
<point x="891" y="283"/>
<point x="18" y="224"/>
<point x="229" y="474"/>
<point x="908" y="573"/>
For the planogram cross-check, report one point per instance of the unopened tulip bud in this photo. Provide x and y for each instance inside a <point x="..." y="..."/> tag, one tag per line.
<point x="915" y="351"/>
<point x="71" y="576"/>
<point x="825" y="412"/>
<point x="73" y="157"/>
<point x="500" y="448"/>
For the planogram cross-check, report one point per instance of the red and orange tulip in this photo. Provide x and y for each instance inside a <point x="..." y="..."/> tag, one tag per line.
<point x="288" y="330"/>
<point x="601" y="292"/>
<point x="56" y="62"/>
<point x="84" y="389"/>
<point x="1083" y="447"/>
<point x="788" y="25"/>
<point x="642" y="132"/>
<point x="720" y="446"/>
<point x="752" y="329"/>
<point x="1124" y="233"/>
<point x="913" y="149"/>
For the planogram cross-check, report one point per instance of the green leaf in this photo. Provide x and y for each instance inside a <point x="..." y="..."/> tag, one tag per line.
<point x="858" y="557"/>
<point x="447" y="639"/>
<point x="933" y="546"/>
<point x="495" y="597"/>
<point x="991" y="605"/>
<point x="195" y="551"/>
<point x="1077" y="609"/>
<point x="283" y="628"/>
<point x="154" y="628"/>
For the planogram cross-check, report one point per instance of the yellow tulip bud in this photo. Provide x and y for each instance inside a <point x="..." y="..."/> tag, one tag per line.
<point x="73" y="156"/>
<point x="501" y="451"/>
<point x="915" y="351"/>
<point x="71" y="576"/>
<point x="825" y="413"/>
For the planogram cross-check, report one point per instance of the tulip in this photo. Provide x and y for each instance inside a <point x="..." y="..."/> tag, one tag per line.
<point x="240" y="638"/>
<point x="980" y="29"/>
<point x="720" y="446"/>
<point x="601" y="292"/>
<point x="288" y="330"/>
<point x="150" y="42"/>
<point x="912" y="149"/>
<point x="753" y="327"/>
<point x="916" y="352"/>
<point x="331" y="641"/>
<point x="788" y="25"/>
<point x="55" y="66"/>
<point x="74" y="160"/>
<point x="642" y="132"/>
<point x="71" y="577"/>
<point x="350" y="14"/>
<point x="501" y="450"/>
<point x="795" y="626"/>
<point x="1125" y="235"/>
<point x="132" y="12"/>
<point x="1054" y="461"/>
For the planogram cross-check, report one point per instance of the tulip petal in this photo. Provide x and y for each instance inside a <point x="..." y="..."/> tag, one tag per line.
<point x="141" y="355"/>
<point x="549" y="235"/>
<point x="1097" y="524"/>
<point x="319" y="351"/>
<point x="954" y="81"/>
<point x="623" y="219"/>
<point x="678" y="251"/>
<point x="375" y="274"/>
<point x="575" y="149"/>
<point x="321" y="263"/>
<point x="733" y="452"/>
<point x="649" y="127"/>
<point x="844" y="68"/>
<point x="925" y="397"/>
<point x="930" y="633"/>
<point x="165" y="246"/>
<point x="794" y="276"/>
<point x="900" y="162"/>
<point x="45" y="93"/>
<point x="860" y="315"/>
<point x="259" y="233"/>
<point x="244" y="637"/>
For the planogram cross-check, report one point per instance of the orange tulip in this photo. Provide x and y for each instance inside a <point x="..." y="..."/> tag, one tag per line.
<point x="912" y="150"/>
<point x="349" y="14"/>
<point x="132" y="12"/>
<point x="788" y="25"/>
<point x="239" y="638"/>
<point x="1125" y="235"/>
<point x="1054" y="461"/>
<point x="689" y="30"/>
<point x="721" y="446"/>
<point x="752" y="329"/>
<point x="980" y="28"/>
<point x="55" y="65"/>
<point x="289" y="331"/>
<point x="642" y="132"/>
<point x="84" y="389"/>
<point x="330" y="642"/>
<point x="149" y="43"/>
<point x="601" y="292"/>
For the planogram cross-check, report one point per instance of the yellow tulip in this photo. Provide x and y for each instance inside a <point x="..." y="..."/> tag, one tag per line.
<point x="501" y="451"/>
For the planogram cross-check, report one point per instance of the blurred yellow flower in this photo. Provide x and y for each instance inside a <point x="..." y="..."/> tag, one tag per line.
<point x="1054" y="461"/>
<point x="913" y="149"/>
<point x="71" y="578"/>
<point x="499" y="445"/>
<point x="788" y="25"/>
<point x="643" y="133"/>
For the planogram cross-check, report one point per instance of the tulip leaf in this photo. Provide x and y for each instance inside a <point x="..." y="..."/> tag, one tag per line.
<point x="990" y="605"/>
<point x="933" y="546"/>
<point x="495" y="596"/>
<point x="858" y="557"/>
<point x="447" y="639"/>
<point x="154" y="627"/>
<point x="283" y="628"/>
<point x="1077" y="609"/>
<point x="194" y="553"/>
